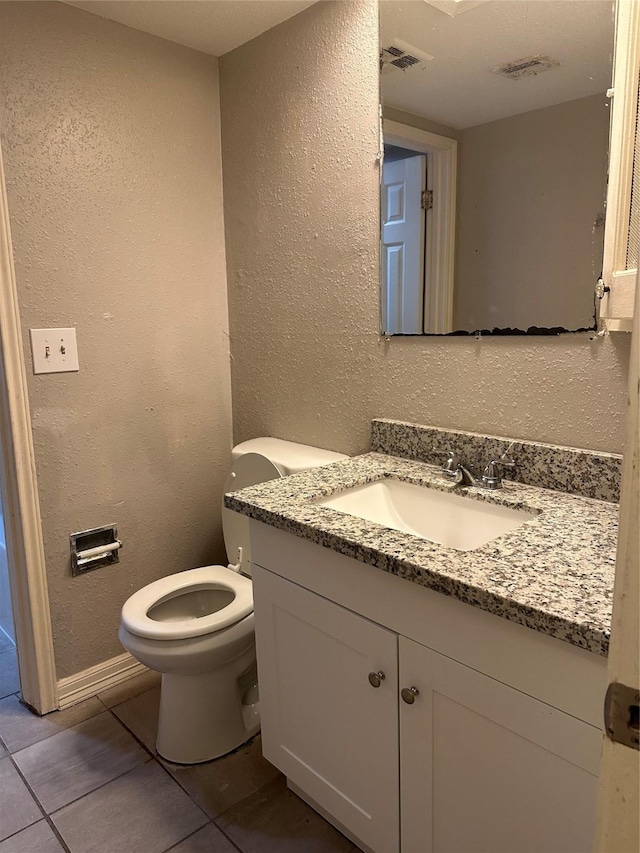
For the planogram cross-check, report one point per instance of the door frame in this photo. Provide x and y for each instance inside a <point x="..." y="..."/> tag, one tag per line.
<point x="441" y="225"/>
<point x="616" y="306"/>
<point x="19" y="493"/>
<point x="617" y="819"/>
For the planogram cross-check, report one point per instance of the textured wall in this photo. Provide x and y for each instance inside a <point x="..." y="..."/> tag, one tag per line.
<point x="301" y="211"/>
<point x="111" y="143"/>
<point x="531" y="191"/>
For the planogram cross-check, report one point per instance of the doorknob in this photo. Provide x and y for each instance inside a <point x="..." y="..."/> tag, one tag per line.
<point x="409" y="694"/>
<point x="376" y="678"/>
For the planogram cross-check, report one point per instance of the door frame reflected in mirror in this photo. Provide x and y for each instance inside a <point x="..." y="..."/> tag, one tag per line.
<point x="439" y="244"/>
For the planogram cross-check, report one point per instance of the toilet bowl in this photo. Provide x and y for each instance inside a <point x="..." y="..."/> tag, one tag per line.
<point x="196" y="627"/>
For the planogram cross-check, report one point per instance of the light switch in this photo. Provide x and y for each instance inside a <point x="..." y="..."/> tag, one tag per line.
<point x="54" y="350"/>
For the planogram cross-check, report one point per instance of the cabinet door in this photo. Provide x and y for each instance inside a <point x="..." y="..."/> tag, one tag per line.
<point x="486" y="768"/>
<point x="622" y="226"/>
<point x="323" y="724"/>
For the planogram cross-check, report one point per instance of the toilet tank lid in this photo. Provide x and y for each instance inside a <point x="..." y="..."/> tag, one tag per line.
<point x="288" y="456"/>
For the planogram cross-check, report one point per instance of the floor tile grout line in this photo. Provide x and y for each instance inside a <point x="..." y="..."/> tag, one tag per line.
<point x="58" y="835"/>
<point x="13" y="693"/>
<point x="252" y="794"/>
<point x="353" y="849"/>
<point x="226" y="835"/>
<point x="156" y="758"/>
<point x="160" y="761"/>
<point x="48" y="819"/>
<point x="195" y="832"/>
<point x="132" y="733"/>
<point x="151" y="758"/>
<point x="18" y="831"/>
<point x="60" y="731"/>
<point x="98" y="787"/>
<point x="61" y="710"/>
<point x="49" y="715"/>
<point x="123" y="701"/>
<point x="215" y="819"/>
<point x="235" y="805"/>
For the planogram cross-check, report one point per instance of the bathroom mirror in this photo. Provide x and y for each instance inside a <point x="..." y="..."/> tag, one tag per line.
<point x="496" y="126"/>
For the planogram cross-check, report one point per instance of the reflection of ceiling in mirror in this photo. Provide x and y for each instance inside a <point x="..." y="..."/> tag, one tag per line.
<point x="458" y="89"/>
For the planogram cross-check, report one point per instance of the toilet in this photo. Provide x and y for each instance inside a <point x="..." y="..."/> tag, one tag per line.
<point x="196" y="627"/>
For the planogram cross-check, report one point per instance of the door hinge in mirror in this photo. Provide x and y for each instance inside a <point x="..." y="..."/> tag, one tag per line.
<point x="427" y="199"/>
<point x="601" y="289"/>
<point x="622" y="714"/>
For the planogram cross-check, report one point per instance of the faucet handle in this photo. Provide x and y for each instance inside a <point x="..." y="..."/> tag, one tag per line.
<point x="491" y="479"/>
<point x="505" y="461"/>
<point x="448" y="452"/>
<point x="451" y="465"/>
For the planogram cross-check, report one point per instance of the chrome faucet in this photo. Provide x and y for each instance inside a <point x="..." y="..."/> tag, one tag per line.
<point x="464" y="475"/>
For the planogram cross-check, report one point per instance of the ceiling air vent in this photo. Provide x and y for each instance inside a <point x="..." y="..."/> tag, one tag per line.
<point x="402" y="56"/>
<point x="530" y="66"/>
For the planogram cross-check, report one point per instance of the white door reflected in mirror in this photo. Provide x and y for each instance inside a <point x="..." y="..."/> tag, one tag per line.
<point x="403" y="230"/>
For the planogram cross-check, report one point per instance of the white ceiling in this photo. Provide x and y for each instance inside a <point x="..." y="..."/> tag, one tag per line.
<point x="212" y="26"/>
<point x="457" y="87"/>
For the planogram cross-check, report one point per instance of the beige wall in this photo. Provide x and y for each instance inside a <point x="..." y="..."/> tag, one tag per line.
<point x="111" y="145"/>
<point x="531" y="192"/>
<point x="301" y="208"/>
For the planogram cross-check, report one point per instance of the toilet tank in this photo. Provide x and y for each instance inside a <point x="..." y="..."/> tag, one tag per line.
<point x="257" y="461"/>
<point x="287" y="456"/>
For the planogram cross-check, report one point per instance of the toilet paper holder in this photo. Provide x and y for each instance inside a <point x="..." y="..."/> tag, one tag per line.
<point x="91" y="549"/>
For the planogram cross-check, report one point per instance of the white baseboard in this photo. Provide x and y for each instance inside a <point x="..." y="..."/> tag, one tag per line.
<point x="97" y="678"/>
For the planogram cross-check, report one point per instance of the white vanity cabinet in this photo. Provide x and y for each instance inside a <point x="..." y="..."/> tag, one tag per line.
<point x="484" y="767"/>
<point x="324" y="726"/>
<point x="473" y="763"/>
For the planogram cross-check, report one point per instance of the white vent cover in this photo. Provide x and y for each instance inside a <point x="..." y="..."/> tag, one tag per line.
<point x="401" y="56"/>
<point x="454" y="7"/>
<point x="530" y="66"/>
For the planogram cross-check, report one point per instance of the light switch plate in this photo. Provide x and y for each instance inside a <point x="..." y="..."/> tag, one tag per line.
<point x="54" y="350"/>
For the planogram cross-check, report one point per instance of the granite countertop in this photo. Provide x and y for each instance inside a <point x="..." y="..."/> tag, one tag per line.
<point x="553" y="574"/>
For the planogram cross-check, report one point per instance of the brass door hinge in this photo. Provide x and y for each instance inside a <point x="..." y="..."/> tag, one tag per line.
<point x="622" y="714"/>
<point x="427" y="199"/>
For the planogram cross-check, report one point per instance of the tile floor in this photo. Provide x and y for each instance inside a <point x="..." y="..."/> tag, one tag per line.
<point x="9" y="678"/>
<point x="88" y="780"/>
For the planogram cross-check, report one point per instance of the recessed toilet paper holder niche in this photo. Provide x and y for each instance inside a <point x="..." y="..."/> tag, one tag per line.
<point x="91" y="549"/>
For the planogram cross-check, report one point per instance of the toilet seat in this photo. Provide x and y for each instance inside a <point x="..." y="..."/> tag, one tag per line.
<point x="135" y="612"/>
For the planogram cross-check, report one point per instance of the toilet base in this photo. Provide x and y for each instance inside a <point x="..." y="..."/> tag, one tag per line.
<point x="203" y="717"/>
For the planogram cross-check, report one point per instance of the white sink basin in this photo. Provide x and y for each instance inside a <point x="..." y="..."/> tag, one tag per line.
<point x="447" y="519"/>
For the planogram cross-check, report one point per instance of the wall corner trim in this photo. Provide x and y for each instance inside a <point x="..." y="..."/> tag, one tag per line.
<point x="95" y="679"/>
<point x="20" y="495"/>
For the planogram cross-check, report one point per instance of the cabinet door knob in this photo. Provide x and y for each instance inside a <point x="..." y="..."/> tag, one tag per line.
<point x="376" y="678"/>
<point x="409" y="694"/>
